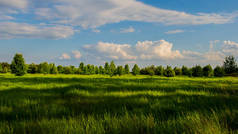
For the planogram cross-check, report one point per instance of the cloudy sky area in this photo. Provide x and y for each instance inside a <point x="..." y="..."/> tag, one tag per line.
<point x="160" y="32"/>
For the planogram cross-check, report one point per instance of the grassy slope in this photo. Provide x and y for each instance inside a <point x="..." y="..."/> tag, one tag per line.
<point x="127" y="104"/>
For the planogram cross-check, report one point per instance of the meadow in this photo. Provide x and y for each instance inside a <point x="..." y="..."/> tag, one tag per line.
<point x="99" y="104"/>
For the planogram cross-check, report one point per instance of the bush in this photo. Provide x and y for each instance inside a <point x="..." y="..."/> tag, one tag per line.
<point x="151" y="72"/>
<point x="207" y="71"/>
<point x="177" y="71"/>
<point x="18" y="66"/>
<point x="219" y="71"/>
<point x="197" y="71"/>
<point x="169" y="72"/>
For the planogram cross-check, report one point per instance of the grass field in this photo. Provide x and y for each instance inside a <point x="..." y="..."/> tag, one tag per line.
<point x="43" y="104"/>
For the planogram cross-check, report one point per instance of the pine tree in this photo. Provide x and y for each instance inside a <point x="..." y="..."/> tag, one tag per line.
<point x="18" y="66"/>
<point x="135" y="70"/>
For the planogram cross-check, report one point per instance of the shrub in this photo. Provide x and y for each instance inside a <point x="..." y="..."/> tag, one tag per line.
<point x="169" y="72"/>
<point x="207" y="71"/>
<point x="219" y="71"/>
<point x="18" y="66"/>
<point x="197" y="71"/>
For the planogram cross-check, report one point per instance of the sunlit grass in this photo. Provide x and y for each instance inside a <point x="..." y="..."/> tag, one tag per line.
<point x="119" y="104"/>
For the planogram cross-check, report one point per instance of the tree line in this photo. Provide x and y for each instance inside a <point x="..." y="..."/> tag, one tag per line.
<point x="19" y="68"/>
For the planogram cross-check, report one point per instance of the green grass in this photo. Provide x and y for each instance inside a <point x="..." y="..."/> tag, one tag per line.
<point x="42" y="104"/>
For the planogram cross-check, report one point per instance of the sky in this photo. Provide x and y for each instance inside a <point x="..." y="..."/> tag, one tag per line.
<point x="143" y="32"/>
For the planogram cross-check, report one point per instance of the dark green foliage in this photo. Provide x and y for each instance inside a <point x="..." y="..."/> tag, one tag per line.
<point x="197" y="71"/>
<point x="230" y="65"/>
<point x="53" y="69"/>
<point x="169" y="72"/>
<point x="60" y="69"/>
<point x="32" y="68"/>
<point x="127" y="69"/>
<point x="18" y="66"/>
<point x="101" y="70"/>
<point x="1" y="68"/>
<point x="68" y="70"/>
<point x="159" y="71"/>
<point x="106" y="68"/>
<point x="178" y="71"/>
<point x="151" y="72"/>
<point x="120" y="70"/>
<point x="219" y="71"/>
<point x="96" y="70"/>
<point x="135" y="70"/>
<point x="112" y="68"/>
<point x="44" y="68"/>
<point x="186" y="71"/>
<point x="208" y="71"/>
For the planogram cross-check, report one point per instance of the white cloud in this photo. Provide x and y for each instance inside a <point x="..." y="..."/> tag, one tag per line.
<point x="9" y="30"/>
<point x="77" y="54"/>
<point x="65" y="56"/>
<point x="90" y="13"/>
<point x="13" y="4"/>
<point x="96" y="30"/>
<point x="157" y="50"/>
<point x="115" y="51"/>
<point x="230" y="48"/>
<point x="127" y="30"/>
<point x="175" y="31"/>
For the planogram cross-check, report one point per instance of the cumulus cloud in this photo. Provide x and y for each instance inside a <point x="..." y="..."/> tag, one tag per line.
<point x="77" y="54"/>
<point x="230" y="47"/>
<point x="115" y="51"/>
<point x="157" y="50"/>
<point x="9" y="30"/>
<point x="88" y="13"/>
<point x="65" y="56"/>
<point x="175" y="31"/>
<point x="127" y="30"/>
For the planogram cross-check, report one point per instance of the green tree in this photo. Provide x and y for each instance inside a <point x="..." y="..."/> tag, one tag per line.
<point x="107" y="68"/>
<point x="32" y="68"/>
<point x="18" y="66"/>
<point x="101" y="70"/>
<point x="219" y="71"/>
<point x="197" y="71"/>
<point x="53" y="69"/>
<point x="208" y="71"/>
<point x="169" y="72"/>
<point x="178" y="71"/>
<point x="230" y="65"/>
<point x="159" y="70"/>
<point x="60" y="69"/>
<point x="96" y="70"/>
<point x="81" y="68"/>
<point x="135" y="70"/>
<point x="120" y="70"/>
<point x="186" y="71"/>
<point x="6" y="67"/>
<point x="44" y="68"/>
<point x="68" y="70"/>
<point x="127" y="69"/>
<point x="112" y="68"/>
<point x="151" y="72"/>
<point x="1" y="69"/>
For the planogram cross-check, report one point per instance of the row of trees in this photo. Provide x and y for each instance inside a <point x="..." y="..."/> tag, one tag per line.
<point x="19" y="68"/>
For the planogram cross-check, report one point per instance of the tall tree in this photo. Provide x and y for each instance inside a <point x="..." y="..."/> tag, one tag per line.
<point x="135" y="70"/>
<point x="120" y="70"/>
<point x="44" y="68"/>
<point x="18" y="66"/>
<point x="230" y="65"/>
<point x="159" y="70"/>
<point x="219" y="71"/>
<point x="208" y="71"/>
<point x="197" y="71"/>
<point x="127" y="69"/>
<point x="107" y="68"/>
<point x="169" y="72"/>
<point x="53" y="69"/>
<point x="101" y="70"/>
<point x="112" y="68"/>
<point x="1" y="68"/>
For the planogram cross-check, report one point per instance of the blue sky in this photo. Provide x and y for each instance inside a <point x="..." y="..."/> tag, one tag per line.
<point x="160" y="32"/>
